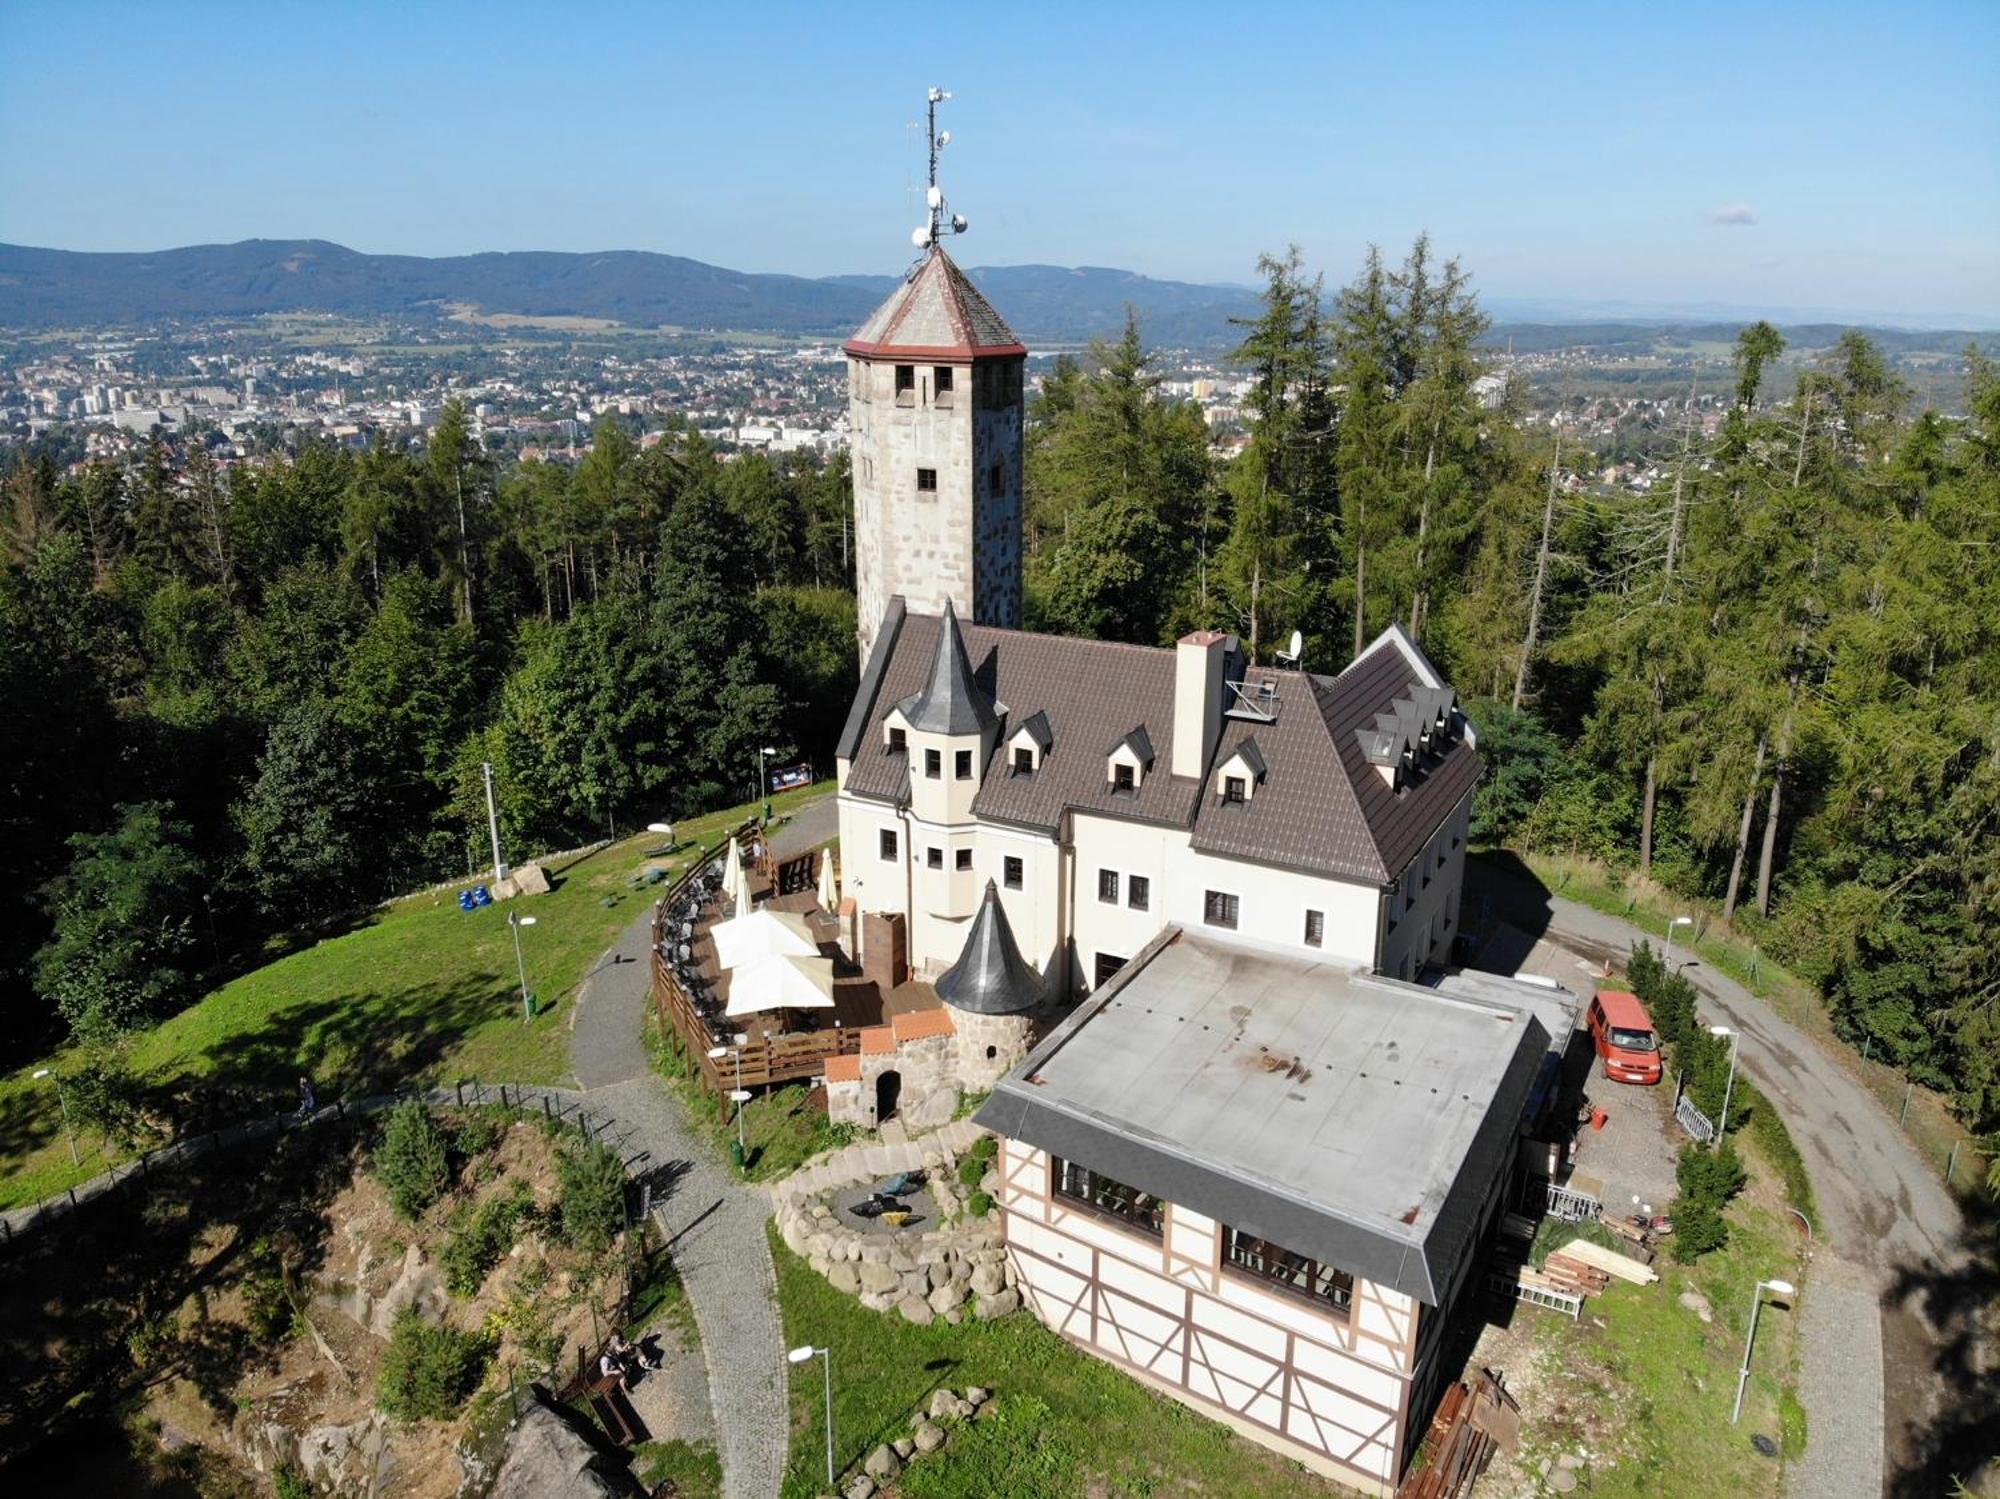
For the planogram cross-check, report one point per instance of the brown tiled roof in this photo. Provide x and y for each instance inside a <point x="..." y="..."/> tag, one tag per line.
<point x="920" y="1025"/>
<point x="1093" y="692"/>
<point x="845" y="1069"/>
<point x="1320" y="806"/>
<point x="937" y="312"/>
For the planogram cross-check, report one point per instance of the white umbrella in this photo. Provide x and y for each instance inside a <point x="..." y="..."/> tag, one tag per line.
<point x="781" y="983"/>
<point x="732" y="870"/>
<point x="762" y="934"/>
<point x="829" y="896"/>
<point x="742" y="895"/>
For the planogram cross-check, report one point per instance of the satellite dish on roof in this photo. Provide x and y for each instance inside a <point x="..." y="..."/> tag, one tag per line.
<point x="958" y="223"/>
<point x="921" y="235"/>
<point x="1298" y="646"/>
<point x="934" y="195"/>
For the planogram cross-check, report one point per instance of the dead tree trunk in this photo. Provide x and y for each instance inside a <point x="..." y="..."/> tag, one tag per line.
<point x="1743" y="834"/>
<point x="1541" y="574"/>
<point x="1768" y="852"/>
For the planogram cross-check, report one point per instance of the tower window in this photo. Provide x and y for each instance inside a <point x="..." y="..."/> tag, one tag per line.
<point x="962" y="859"/>
<point x="933" y="764"/>
<point x="1010" y="871"/>
<point x="961" y="765"/>
<point x="926" y="481"/>
<point x="906" y="379"/>
<point x="993" y="479"/>
<point x="942" y="377"/>
<point x="934" y="858"/>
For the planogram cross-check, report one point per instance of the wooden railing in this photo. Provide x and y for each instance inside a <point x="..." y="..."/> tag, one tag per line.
<point x="768" y="1061"/>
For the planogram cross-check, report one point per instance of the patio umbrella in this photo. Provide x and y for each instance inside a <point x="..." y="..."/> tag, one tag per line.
<point x="742" y="894"/>
<point x="747" y="940"/>
<point x="732" y="870"/>
<point x="829" y="896"/>
<point x="781" y="983"/>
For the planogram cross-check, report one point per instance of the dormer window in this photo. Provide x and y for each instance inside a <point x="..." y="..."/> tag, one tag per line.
<point x="1029" y="745"/>
<point x="899" y="742"/>
<point x="1235" y="790"/>
<point x="1237" y="777"/>
<point x="1024" y="760"/>
<point x="1127" y="764"/>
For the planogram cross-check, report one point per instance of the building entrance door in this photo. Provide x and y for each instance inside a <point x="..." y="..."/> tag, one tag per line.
<point x="888" y="1092"/>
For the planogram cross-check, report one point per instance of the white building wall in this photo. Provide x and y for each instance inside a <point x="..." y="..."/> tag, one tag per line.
<point x="1425" y="908"/>
<point x="1326" y="1391"/>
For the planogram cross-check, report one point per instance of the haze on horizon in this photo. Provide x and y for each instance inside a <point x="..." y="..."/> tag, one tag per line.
<point x="1831" y="157"/>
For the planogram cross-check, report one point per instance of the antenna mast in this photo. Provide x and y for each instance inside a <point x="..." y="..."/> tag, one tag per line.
<point x="927" y="234"/>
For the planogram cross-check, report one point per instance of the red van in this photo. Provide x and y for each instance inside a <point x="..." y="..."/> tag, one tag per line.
<point x="1623" y="1034"/>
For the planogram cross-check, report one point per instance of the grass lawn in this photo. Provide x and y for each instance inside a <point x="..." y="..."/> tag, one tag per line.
<point x="420" y="991"/>
<point x="781" y="1129"/>
<point x="1644" y="1387"/>
<point x="1928" y="1119"/>
<point x="1067" y="1424"/>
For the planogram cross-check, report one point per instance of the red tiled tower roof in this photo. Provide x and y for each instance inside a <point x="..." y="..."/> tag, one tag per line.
<point x="937" y="313"/>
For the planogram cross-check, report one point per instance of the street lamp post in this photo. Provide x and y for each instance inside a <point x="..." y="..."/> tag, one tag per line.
<point x="1728" y="1088"/>
<point x="1677" y="921"/>
<point x="515" y="922"/>
<point x="1783" y="1288"/>
<point x="739" y="1095"/>
<point x="62" y="1103"/>
<point x="825" y="1356"/>
<point x="764" y="778"/>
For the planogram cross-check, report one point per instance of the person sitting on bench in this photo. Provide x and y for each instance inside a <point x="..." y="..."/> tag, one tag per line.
<point x="611" y="1367"/>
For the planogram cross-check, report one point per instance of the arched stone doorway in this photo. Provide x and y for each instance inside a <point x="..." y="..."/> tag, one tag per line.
<point x="888" y="1093"/>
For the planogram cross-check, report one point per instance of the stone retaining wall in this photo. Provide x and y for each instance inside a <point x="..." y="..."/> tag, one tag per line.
<point x="949" y="1271"/>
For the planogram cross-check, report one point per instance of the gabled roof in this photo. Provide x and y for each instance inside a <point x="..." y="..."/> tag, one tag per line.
<point x="1252" y="758"/>
<point x="1323" y="808"/>
<point x="990" y="977"/>
<point x="951" y="702"/>
<point x="1036" y="727"/>
<point x="1139" y="742"/>
<point x="937" y="313"/>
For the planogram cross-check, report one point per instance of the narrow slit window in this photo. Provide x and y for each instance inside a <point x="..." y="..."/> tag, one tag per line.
<point x="1010" y="871"/>
<point x="1315" y="928"/>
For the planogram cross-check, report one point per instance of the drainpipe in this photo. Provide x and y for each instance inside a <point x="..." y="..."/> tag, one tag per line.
<point x="1387" y="894"/>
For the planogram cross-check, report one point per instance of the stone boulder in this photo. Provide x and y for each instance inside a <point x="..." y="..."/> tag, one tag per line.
<point x="915" y="1309"/>
<point x="946" y="1297"/>
<point x="930" y="1436"/>
<point x="992" y="1308"/>
<point x="549" y="1456"/>
<point x="988" y="1280"/>
<point x="416" y="1287"/>
<point x="883" y="1464"/>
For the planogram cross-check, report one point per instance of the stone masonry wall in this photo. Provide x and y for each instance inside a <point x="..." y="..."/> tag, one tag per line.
<point x="945" y="1272"/>
<point x="1007" y="1037"/>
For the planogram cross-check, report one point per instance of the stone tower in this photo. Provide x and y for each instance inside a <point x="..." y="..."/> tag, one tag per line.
<point x="935" y="399"/>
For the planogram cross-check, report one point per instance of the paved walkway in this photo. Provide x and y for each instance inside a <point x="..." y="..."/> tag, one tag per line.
<point x="1884" y="1212"/>
<point x="717" y="1223"/>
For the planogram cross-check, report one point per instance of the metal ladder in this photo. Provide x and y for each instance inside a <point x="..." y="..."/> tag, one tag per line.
<point x="1555" y="1301"/>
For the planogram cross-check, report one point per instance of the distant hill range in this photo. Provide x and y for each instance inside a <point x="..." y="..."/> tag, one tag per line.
<point x="1046" y="304"/>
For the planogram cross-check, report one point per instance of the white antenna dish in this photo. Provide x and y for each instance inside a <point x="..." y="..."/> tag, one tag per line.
<point x="920" y="236"/>
<point x="944" y="137"/>
<point x="1298" y="644"/>
<point x="958" y="223"/>
<point x="934" y="195"/>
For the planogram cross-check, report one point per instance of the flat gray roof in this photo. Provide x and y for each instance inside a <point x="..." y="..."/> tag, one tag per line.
<point x="1358" y="1119"/>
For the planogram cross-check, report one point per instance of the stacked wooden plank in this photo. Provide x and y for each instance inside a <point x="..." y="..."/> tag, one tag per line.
<point x="1568" y="1273"/>
<point x="1474" y="1420"/>
<point x="1608" y="1262"/>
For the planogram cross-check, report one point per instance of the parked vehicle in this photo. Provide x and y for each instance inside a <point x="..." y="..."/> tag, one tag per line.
<point x="1623" y="1034"/>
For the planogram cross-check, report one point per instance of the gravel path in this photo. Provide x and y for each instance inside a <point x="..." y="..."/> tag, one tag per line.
<point x="1884" y="1214"/>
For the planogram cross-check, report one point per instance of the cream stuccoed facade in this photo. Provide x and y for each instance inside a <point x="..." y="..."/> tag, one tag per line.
<point x="1085" y="887"/>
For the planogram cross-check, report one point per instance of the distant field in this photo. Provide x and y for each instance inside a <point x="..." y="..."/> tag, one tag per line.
<point x="421" y="991"/>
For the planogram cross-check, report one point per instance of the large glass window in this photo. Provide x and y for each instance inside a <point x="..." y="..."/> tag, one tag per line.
<point x="1112" y="1199"/>
<point x="1260" y="1259"/>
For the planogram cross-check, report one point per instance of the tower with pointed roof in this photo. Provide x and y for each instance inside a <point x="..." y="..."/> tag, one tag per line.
<point x="935" y="404"/>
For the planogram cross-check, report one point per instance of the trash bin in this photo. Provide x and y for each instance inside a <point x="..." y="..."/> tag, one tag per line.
<point x="736" y="1154"/>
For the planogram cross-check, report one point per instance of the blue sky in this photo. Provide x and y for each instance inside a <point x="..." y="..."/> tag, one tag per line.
<point x="1830" y="155"/>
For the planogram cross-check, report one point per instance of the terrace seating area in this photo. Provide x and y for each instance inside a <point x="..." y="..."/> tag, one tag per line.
<point x="692" y="986"/>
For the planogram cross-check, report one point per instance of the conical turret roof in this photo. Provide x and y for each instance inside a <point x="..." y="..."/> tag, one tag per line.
<point x="951" y="702"/>
<point x="937" y="313"/>
<point x="991" y="977"/>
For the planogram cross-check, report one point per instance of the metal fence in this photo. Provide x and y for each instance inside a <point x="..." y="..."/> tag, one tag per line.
<point x="1693" y="1120"/>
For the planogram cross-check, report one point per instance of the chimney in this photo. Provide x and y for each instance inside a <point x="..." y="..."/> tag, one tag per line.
<point x="1199" y="659"/>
